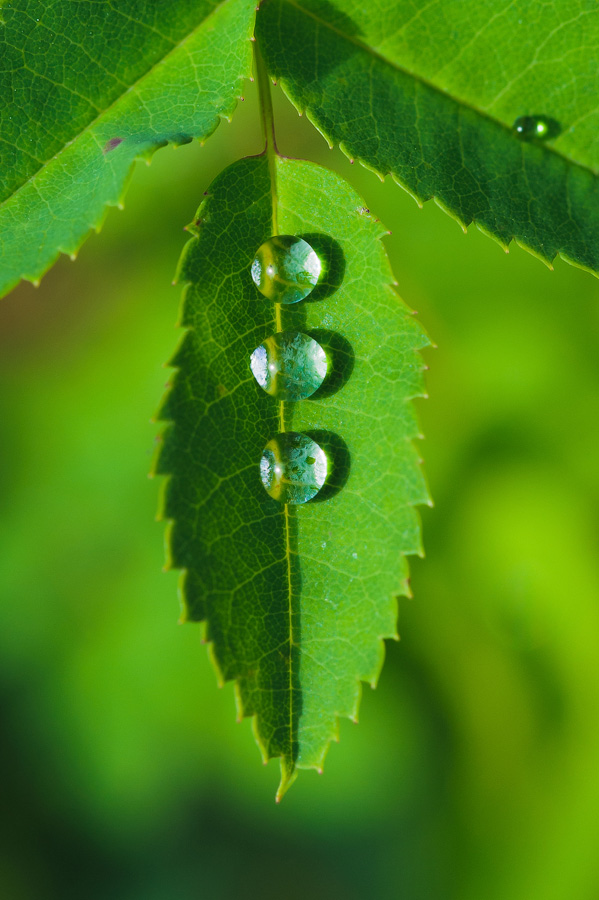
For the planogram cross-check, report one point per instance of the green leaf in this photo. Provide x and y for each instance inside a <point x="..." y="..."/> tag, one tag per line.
<point x="430" y="93"/>
<point x="87" y="88"/>
<point x="297" y="599"/>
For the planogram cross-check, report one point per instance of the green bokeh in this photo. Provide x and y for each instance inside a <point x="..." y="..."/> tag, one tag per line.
<point x="473" y="773"/>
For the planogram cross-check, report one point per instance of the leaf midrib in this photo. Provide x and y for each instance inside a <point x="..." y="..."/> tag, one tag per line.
<point x="429" y="84"/>
<point x="114" y="103"/>
<point x="272" y="155"/>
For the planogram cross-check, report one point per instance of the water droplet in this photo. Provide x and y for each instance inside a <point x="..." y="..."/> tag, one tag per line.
<point x="286" y="269"/>
<point x="531" y="128"/>
<point x="289" y="365"/>
<point x="293" y="468"/>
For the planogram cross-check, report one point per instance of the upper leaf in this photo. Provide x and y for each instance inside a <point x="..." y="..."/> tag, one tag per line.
<point x="297" y="599"/>
<point x="430" y="93"/>
<point x="86" y="88"/>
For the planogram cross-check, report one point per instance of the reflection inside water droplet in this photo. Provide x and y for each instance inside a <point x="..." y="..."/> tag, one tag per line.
<point x="289" y="365"/>
<point x="293" y="468"/>
<point x="537" y="128"/>
<point x="286" y="269"/>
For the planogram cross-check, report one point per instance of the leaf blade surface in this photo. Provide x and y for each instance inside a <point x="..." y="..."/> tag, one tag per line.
<point x="88" y="88"/>
<point x="297" y="599"/>
<point x="430" y="93"/>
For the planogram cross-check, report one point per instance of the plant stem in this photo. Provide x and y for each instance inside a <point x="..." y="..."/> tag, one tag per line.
<point x="268" y="126"/>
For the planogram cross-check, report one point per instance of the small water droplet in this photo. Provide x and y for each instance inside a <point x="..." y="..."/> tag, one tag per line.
<point x="286" y="269"/>
<point x="289" y="365"/>
<point x="293" y="468"/>
<point x="354" y="555"/>
<point x="531" y="128"/>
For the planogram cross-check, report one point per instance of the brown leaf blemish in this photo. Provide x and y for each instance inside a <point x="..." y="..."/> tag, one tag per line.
<point x="112" y="144"/>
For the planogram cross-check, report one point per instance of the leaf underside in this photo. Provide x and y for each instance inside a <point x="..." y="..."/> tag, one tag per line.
<point x="296" y="599"/>
<point x="429" y="95"/>
<point x="86" y="89"/>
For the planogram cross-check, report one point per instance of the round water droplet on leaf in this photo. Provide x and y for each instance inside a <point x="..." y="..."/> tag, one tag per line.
<point x="531" y="128"/>
<point x="286" y="269"/>
<point x="289" y="365"/>
<point x="293" y="468"/>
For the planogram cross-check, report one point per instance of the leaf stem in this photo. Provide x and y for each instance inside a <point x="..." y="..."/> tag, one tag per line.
<point x="268" y="126"/>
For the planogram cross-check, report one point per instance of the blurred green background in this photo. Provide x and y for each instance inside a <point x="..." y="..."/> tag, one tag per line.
<point x="475" y="770"/>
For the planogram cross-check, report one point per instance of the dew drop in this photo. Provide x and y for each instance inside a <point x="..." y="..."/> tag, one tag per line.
<point x="531" y="128"/>
<point x="286" y="269"/>
<point x="289" y="365"/>
<point x="293" y="468"/>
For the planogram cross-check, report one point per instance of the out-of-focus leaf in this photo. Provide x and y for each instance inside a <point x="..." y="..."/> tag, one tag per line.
<point x="429" y="93"/>
<point x="297" y="599"/>
<point x="86" y="88"/>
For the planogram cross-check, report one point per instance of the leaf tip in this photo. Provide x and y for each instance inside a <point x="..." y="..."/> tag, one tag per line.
<point x="494" y="236"/>
<point x="451" y="213"/>
<point x="220" y="681"/>
<point x="398" y="181"/>
<point x="288" y="776"/>
<point x="578" y="265"/>
<point x="544" y="259"/>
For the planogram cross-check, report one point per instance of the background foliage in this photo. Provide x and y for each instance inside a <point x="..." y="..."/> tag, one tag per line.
<point x="474" y="770"/>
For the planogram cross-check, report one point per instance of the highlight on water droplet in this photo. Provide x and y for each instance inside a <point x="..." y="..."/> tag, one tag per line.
<point x="289" y="365"/>
<point x="538" y="128"/>
<point x="286" y="268"/>
<point x="293" y="468"/>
